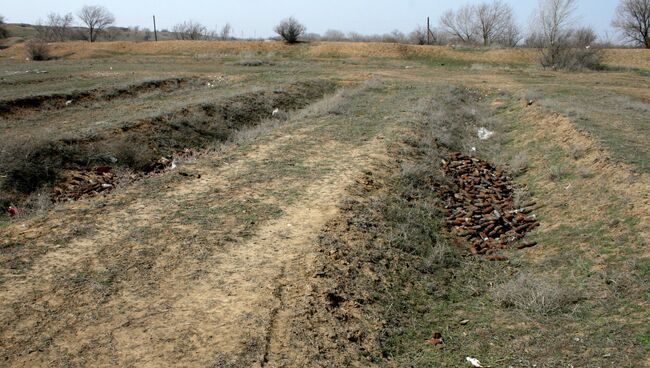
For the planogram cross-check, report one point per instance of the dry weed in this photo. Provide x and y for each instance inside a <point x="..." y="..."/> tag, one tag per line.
<point x="536" y="294"/>
<point x="577" y="151"/>
<point x="519" y="164"/>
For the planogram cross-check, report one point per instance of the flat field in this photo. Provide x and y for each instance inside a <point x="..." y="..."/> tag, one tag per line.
<point x="236" y="204"/>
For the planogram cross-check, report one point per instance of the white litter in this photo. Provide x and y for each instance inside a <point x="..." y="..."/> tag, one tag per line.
<point x="173" y="164"/>
<point x="275" y="112"/>
<point x="68" y="103"/>
<point x="474" y="362"/>
<point x="473" y="149"/>
<point x="484" y="134"/>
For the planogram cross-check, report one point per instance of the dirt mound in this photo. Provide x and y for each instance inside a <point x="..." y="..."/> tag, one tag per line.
<point x="480" y="205"/>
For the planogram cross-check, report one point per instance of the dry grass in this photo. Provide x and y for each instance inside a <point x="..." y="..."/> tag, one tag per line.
<point x="578" y="151"/>
<point x="558" y="172"/>
<point x="536" y="294"/>
<point x="520" y="197"/>
<point x="631" y="58"/>
<point x="519" y="164"/>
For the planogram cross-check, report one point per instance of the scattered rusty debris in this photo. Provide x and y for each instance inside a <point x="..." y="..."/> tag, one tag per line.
<point x="480" y="207"/>
<point x="80" y="184"/>
<point x="436" y="339"/>
<point x="12" y="211"/>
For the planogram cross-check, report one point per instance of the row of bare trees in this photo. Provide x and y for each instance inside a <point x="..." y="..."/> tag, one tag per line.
<point x="490" y="23"/>
<point x="58" y="27"/>
<point x="493" y="22"/>
<point x="191" y="30"/>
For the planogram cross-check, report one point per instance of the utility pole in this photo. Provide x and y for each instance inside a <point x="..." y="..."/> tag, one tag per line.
<point x="155" y="31"/>
<point x="428" y="32"/>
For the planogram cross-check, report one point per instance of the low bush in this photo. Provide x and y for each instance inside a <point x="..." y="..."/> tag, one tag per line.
<point x="4" y="33"/>
<point x="38" y="50"/>
<point x="535" y="293"/>
<point x="290" y="30"/>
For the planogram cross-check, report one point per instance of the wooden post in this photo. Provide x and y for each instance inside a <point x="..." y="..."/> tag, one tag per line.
<point x="428" y="32"/>
<point x="155" y="31"/>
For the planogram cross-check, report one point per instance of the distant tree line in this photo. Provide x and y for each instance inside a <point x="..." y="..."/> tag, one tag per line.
<point x="191" y="30"/>
<point x="488" y="23"/>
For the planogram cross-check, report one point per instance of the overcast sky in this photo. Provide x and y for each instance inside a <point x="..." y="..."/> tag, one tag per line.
<point x="256" y="18"/>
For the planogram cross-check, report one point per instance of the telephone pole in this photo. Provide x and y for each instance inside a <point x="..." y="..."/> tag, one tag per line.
<point x="428" y="32"/>
<point x="155" y="31"/>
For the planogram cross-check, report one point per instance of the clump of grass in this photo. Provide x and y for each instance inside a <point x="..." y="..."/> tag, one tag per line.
<point x="558" y="172"/>
<point x="254" y="62"/>
<point x="133" y="154"/>
<point x="39" y="202"/>
<point x="519" y="164"/>
<point x="577" y="152"/>
<point x="329" y="105"/>
<point x="374" y="84"/>
<point x="535" y="294"/>
<point x="585" y="172"/>
<point x="520" y="197"/>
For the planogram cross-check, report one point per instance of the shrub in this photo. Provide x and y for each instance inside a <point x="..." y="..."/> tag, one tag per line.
<point x="534" y="293"/>
<point x="519" y="164"/>
<point x="38" y="50"/>
<point x="562" y="46"/>
<point x="558" y="172"/>
<point x="290" y="30"/>
<point x="190" y="30"/>
<point x="4" y="33"/>
<point x="31" y="164"/>
<point x="566" y="56"/>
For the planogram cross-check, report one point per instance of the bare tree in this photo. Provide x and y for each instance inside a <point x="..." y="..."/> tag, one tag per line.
<point x="190" y="30"/>
<point x="226" y="32"/>
<point x="493" y="20"/>
<point x="4" y="33"/>
<point x="334" y="35"/>
<point x="511" y="35"/>
<point x="418" y="36"/>
<point x="290" y="30"/>
<point x="633" y="20"/>
<point x="356" y="37"/>
<point x="584" y="37"/>
<point x="562" y="46"/>
<point x="461" y="23"/>
<point x="56" y="27"/>
<point x="96" y="18"/>
<point x="554" y="19"/>
<point x="396" y="36"/>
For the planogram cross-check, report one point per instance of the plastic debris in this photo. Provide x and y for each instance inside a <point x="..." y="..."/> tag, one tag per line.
<point x="13" y="211"/>
<point x="474" y="362"/>
<point x="484" y="134"/>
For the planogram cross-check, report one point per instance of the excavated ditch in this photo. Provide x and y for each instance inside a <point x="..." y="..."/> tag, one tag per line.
<point x="39" y="103"/>
<point x="76" y="167"/>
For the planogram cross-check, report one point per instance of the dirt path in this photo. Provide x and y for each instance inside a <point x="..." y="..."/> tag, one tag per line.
<point x="198" y="272"/>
